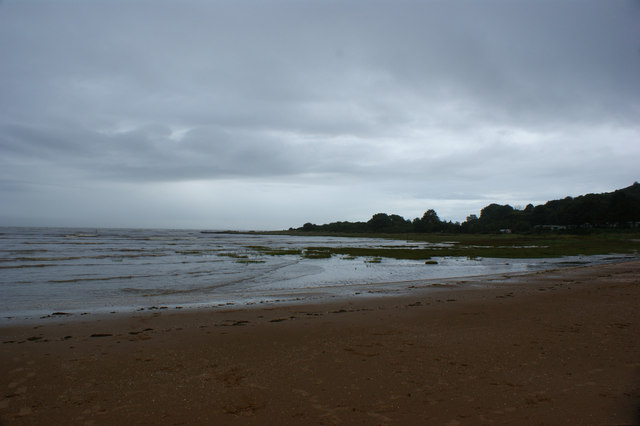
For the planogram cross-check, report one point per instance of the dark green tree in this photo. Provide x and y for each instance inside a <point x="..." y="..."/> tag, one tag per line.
<point x="379" y="222"/>
<point x="430" y="222"/>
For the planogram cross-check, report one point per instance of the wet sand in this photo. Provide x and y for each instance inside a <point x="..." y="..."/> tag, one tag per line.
<point x="560" y="347"/>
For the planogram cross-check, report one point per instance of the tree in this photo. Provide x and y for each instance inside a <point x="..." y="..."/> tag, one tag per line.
<point x="430" y="222"/>
<point x="308" y="227"/>
<point x="495" y="217"/>
<point x="399" y="224"/>
<point x="378" y="222"/>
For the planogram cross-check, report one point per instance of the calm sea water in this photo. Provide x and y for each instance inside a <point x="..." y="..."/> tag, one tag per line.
<point x="48" y="270"/>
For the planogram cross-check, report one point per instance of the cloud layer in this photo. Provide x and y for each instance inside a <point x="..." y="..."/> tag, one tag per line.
<point x="310" y="110"/>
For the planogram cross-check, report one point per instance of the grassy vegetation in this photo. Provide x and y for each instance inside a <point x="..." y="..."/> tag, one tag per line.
<point x="318" y="253"/>
<point x="275" y="252"/>
<point x="474" y="245"/>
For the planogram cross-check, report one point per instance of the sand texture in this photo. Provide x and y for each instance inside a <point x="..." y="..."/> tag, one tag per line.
<point x="560" y="347"/>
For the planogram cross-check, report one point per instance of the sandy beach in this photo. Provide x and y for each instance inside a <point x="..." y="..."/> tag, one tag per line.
<point x="559" y="347"/>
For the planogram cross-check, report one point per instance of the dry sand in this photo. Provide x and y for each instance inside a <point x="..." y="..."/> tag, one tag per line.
<point x="560" y="347"/>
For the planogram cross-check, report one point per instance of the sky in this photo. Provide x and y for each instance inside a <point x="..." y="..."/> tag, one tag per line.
<point x="269" y="114"/>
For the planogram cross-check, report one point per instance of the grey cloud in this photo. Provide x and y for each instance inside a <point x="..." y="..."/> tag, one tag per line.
<point x="150" y="153"/>
<point x="516" y="57"/>
<point x="406" y="96"/>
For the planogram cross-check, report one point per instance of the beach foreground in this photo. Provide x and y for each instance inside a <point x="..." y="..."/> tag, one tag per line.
<point x="559" y="347"/>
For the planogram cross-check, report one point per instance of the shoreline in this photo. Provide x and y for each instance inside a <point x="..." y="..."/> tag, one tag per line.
<point x="296" y="297"/>
<point x="551" y="347"/>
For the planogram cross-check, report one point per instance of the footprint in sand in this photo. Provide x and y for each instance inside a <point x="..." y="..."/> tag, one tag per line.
<point x="24" y="412"/>
<point x="231" y="378"/>
<point x="17" y="387"/>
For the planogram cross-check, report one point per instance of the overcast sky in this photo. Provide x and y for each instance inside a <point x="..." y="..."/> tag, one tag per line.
<point x="269" y="114"/>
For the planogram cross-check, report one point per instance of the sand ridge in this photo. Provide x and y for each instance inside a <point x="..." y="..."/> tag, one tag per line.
<point x="547" y="348"/>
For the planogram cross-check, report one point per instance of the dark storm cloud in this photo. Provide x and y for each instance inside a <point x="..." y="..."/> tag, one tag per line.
<point x="402" y="94"/>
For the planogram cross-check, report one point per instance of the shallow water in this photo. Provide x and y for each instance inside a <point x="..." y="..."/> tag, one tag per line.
<point x="47" y="270"/>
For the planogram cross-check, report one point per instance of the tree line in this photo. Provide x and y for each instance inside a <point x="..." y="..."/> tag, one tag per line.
<point x="619" y="209"/>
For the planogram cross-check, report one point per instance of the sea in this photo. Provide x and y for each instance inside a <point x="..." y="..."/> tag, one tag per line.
<point x="59" y="272"/>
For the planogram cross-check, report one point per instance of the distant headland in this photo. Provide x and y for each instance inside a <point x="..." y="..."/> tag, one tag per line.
<point x="617" y="210"/>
